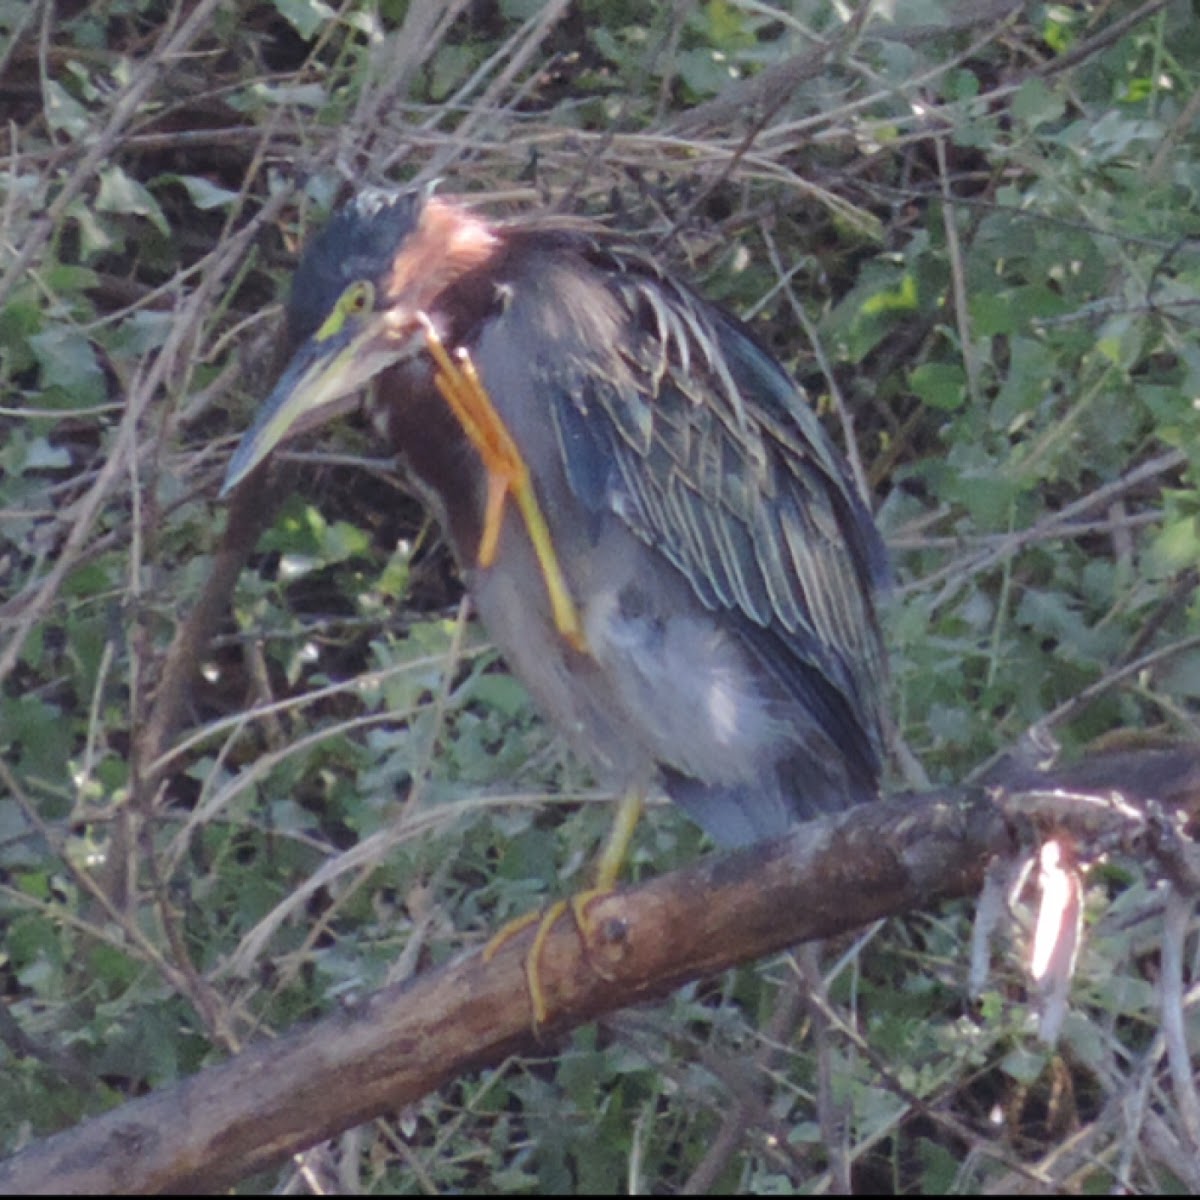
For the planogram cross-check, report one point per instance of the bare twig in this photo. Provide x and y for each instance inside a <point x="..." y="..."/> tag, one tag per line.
<point x="1181" y="909"/>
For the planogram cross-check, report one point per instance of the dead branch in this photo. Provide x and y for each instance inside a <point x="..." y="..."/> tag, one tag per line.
<point x="387" y="1050"/>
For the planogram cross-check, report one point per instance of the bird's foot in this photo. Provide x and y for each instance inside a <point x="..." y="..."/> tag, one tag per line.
<point x="601" y="940"/>
<point x="607" y="939"/>
<point x="546" y="919"/>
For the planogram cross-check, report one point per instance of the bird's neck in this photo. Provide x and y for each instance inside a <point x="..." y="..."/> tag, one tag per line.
<point x="426" y="435"/>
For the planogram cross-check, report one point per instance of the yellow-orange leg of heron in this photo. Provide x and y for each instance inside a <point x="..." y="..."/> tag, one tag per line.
<point x="507" y="474"/>
<point x="608" y="868"/>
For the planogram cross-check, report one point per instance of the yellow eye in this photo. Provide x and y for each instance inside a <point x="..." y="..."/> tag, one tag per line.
<point x="357" y="299"/>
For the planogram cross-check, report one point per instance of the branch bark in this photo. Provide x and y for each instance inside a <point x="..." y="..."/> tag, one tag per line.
<point x="393" y="1047"/>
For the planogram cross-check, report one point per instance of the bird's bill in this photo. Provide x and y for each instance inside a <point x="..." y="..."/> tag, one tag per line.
<point x="322" y="373"/>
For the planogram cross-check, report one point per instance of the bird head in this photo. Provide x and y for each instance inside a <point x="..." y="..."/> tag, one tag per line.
<point x="362" y="300"/>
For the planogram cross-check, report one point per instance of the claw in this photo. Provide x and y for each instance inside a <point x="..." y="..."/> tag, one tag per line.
<point x="608" y="868"/>
<point x="545" y="919"/>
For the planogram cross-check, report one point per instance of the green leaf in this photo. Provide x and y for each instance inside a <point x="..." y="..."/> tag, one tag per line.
<point x="704" y="72"/>
<point x="343" y="540"/>
<point x="64" y="113"/>
<point x="40" y="732"/>
<point x="1031" y="371"/>
<point x="1182" y="675"/>
<point x="1025" y="1064"/>
<point x="501" y="691"/>
<point x="451" y="66"/>
<point x="1035" y="103"/>
<point x="940" y="385"/>
<point x="41" y="454"/>
<point x="941" y="1168"/>
<point x="145" y="330"/>
<point x="68" y="361"/>
<point x="901" y="298"/>
<point x="119" y="193"/>
<point x="205" y="194"/>
<point x="305" y="16"/>
<point x="1178" y="544"/>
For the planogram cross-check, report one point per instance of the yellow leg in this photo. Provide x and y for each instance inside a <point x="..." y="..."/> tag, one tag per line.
<point x="608" y="869"/>
<point x="616" y="849"/>
<point x="497" y="493"/>
<point x="463" y="391"/>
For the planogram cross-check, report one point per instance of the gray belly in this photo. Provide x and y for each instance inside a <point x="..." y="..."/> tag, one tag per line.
<point x="665" y="693"/>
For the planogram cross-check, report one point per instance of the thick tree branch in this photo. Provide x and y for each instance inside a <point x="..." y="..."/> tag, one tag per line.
<point x="402" y="1042"/>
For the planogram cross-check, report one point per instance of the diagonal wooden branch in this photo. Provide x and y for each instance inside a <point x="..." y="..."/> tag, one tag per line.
<point x="394" y="1046"/>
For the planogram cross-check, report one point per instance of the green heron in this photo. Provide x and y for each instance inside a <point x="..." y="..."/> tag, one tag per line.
<point x="685" y="578"/>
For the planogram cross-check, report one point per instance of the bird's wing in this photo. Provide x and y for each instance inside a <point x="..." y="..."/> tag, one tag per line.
<point x="697" y="439"/>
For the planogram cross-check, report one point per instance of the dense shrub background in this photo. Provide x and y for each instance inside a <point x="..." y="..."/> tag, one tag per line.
<point x="971" y="229"/>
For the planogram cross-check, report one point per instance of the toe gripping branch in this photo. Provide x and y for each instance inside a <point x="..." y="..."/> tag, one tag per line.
<point x="608" y="868"/>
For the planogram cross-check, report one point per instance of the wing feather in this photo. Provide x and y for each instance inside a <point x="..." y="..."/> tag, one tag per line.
<point x="699" y="441"/>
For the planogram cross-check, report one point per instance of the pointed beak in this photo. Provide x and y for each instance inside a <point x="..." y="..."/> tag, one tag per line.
<point x="319" y="380"/>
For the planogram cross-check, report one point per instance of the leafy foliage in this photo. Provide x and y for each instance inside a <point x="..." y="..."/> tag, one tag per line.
<point x="973" y="237"/>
